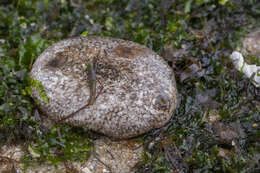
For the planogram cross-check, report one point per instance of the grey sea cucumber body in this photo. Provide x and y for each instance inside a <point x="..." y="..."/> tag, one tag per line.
<point x="130" y="80"/>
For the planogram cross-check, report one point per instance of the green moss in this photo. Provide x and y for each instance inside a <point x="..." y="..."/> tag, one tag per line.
<point x="252" y="59"/>
<point x="60" y="144"/>
<point x="39" y="88"/>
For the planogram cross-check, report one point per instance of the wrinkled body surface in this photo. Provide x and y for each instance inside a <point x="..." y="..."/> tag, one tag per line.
<point x="134" y="89"/>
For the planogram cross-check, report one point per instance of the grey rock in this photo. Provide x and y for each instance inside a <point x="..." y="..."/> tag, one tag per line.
<point x="130" y="78"/>
<point x="107" y="157"/>
<point x="251" y="43"/>
<point x="115" y="156"/>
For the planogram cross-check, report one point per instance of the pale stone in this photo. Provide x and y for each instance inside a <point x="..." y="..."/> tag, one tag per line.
<point x="251" y="43"/>
<point x="108" y="156"/>
<point x="115" y="156"/>
<point x="138" y="95"/>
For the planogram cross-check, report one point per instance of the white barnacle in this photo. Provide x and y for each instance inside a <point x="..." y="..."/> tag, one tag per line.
<point x="251" y="71"/>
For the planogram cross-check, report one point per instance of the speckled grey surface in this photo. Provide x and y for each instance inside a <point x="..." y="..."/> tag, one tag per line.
<point x="251" y="43"/>
<point x="139" y="92"/>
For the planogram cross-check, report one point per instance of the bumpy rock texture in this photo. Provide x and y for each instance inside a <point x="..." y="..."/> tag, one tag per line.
<point x="114" y="156"/>
<point x="251" y="43"/>
<point x="107" y="157"/>
<point x="135" y="90"/>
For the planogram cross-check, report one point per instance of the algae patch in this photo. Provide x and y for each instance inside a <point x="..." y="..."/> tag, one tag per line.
<point x="39" y="88"/>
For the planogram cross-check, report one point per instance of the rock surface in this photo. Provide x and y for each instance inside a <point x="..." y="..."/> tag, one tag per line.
<point x="108" y="157"/>
<point x="115" y="156"/>
<point x="134" y="91"/>
<point x="251" y="43"/>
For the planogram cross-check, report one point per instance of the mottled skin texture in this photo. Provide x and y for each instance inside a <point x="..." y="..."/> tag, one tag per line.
<point x="139" y="92"/>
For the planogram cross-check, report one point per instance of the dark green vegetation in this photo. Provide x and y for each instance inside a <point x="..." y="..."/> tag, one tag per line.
<point x="196" y="37"/>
